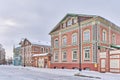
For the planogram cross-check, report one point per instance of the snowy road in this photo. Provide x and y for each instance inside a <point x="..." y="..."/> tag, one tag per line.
<point x="31" y="73"/>
<point x="21" y="73"/>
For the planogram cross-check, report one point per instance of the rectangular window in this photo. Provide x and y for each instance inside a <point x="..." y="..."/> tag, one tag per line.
<point x="87" y="54"/>
<point x="104" y="36"/>
<point x="74" y="55"/>
<point x="69" y="22"/>
<point x="35" y="49"/>
<point x="42" y="50"/>
<point x="64" y="56"/>
<point x="56" y="56"/>
<point x="74" y="20"/>
<point x="46" y="50"/>
<point x="64" y="25"/>
<point x="113" y="39"/>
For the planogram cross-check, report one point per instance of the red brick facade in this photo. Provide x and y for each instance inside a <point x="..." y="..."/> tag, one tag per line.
<point x="35" y="55"/>
<point x="93" y="33"/>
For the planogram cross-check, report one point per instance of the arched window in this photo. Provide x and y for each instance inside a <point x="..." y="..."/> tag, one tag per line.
<point x="69" y="22"/>
<point x="86" y="35"/>
<point x="74" y="38"/>
<point x="56" y="43"/>
<point x="64" y="41"/>
<point x="104" y="35"/>
<point x="113" y="39"/>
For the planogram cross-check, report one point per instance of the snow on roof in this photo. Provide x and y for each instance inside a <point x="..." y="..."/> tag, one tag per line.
<point x="41" y="43"/>
<point x="34" y="42"/>
<point x="43" y="54"/>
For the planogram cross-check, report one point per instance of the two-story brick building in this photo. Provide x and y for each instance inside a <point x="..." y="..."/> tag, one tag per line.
<point x="75" y="41"/>
<point x="36" y="55"/>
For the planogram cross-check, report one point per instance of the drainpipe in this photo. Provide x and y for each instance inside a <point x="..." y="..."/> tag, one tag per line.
<point x="80" y="62"/>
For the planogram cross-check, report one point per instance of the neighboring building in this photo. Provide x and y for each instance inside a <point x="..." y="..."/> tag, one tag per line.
<point x="76" y="39"/>
<point x="109" y="61"/>
<point x="36" y="55"/>
<point x="17" y="59"/>
<point x="2" y="55"/>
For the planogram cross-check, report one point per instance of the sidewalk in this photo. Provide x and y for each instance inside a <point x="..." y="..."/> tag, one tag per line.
<point x="98" y="76"/>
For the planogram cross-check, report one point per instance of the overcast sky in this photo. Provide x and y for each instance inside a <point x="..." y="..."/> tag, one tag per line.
<point x="34" y="19"/>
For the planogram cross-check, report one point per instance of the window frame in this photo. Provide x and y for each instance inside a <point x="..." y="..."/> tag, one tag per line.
<point x="75" y="20"/>
<point x="104" y="35"/>
<point x="87" y="55"/>
<point x="74" y="38"/>
<point x="74" y="59"/>
<point x="69" y="22"/>
<point x="56" y="53"/>
<point x="64" y="53"/>
<point x="64" y="41"/>
<point x="86" y="33"/>
<point x="56" y="44"/>
<point x="113" y="39"/>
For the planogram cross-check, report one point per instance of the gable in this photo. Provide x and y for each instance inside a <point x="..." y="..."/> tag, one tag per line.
<point x="65" y="21"/>
<point x="25" y="42"/>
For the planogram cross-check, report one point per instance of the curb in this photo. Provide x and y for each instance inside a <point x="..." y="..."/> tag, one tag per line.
<point x="86" y="76"/>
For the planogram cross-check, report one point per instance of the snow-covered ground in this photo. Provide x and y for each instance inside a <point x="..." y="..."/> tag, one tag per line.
<point x="30" y="73"/>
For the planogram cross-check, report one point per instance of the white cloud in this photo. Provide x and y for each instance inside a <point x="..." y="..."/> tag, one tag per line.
<point x="7" y="22"/>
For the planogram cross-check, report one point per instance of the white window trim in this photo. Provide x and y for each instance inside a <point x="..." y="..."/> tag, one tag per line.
<point x="55" y="56"/>
<point x="74" y="20"/>
<point x="72" y="55"/>
<point x="104" y="37"/>
<point x="56" y="46"/>
<point x="84" y="35"/>
<point x="113" y="40"/>
<point x="74" y="43"/>
<point x="64" y="44"/>
<point x="69" y="22"/>
<point x="62" y="56"/>
<point x="63" y="25"/>
<point x="87" y="48"/>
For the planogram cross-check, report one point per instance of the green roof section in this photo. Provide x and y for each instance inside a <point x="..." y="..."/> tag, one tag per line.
<point x="115" y="46"/>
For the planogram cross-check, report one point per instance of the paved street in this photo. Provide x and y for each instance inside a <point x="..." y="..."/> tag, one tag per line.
<point x="21" y="73"/>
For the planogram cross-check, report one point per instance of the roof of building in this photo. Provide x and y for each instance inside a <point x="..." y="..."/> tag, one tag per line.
<point x="71" y="15"/>
<point x="38" y="43"/>
<point x="84" y="15"/>
<point x="43" y="54"/>
<point x="41" y="43"/>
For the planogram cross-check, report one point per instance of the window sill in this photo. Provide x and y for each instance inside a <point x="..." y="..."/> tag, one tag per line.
<point x="56" y="61"/>
<point x="64" y="60"/>
<point x="74" y="60"/>
<point x="86" y="59"/>
<point x="74" y="44"/>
